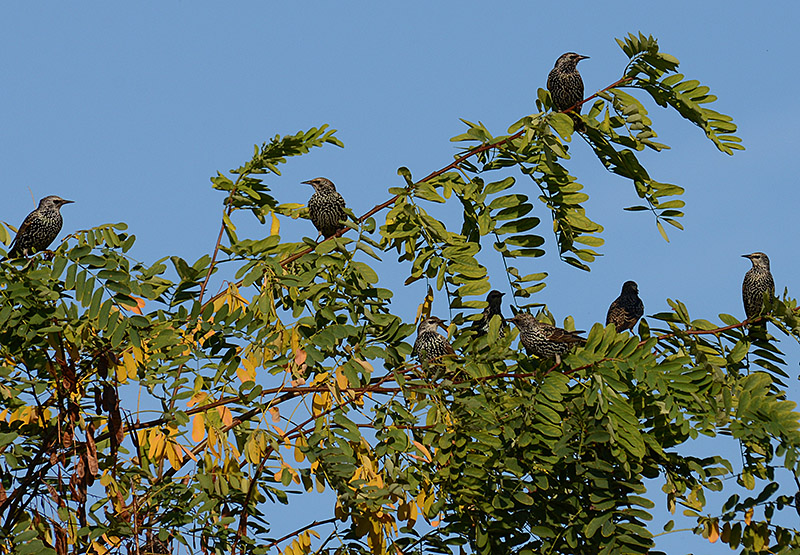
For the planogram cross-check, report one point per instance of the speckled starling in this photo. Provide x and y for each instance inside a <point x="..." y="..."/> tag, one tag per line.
<point x="430" y="344"/>
<point x="494" y="302"/>
<point x="40" y="227"/>
<point x="626" y="310"/>
<point x="757" y="281"/>
<point x="326" y="207"/>
<point x="544" y="340"/>
<point x="566" y="86"/>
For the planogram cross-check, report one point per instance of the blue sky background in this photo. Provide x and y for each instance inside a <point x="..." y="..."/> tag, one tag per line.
<point x="130" y="108"/>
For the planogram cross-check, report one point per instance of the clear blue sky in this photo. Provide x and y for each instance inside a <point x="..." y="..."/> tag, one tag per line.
<point x="129" y="108"/>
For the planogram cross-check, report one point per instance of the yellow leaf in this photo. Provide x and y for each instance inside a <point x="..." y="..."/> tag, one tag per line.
<point x="189" y="453"/>
<point x="252" y="451"/>
<point x="198" y="428"/>
<point x="341" y="379"/>
<point x="128" y="367"/>
<point x="197" y="398"/>
<point x="748" y="516"/>
<point x="423" y="450"/>
<point x="139" y="305"/>
<point x="365" y="365"/>
<point x="251" y="362"/>
<point x="226" y="415"/>
<point x="276" y="414"/>
<point x="245" y="375"/>
<point x="233" y="298"/>
<point x="212" y="437"/>
<point x="299" y="357"/>
<point x="275" y="228"/>
<point x="320" y="403"/>
<point x="175" y="455"/>
<point x="99" y="548"/>
<point x="424" y="310"/>
<point x="713" y="533"/>
<point x="157" y="440"/>
<point x="142" y="436"/>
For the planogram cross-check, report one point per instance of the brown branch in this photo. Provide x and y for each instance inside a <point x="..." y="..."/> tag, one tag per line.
<point x="453" y="165"/>
<point x="296" y="431"/>
<point x="300" y="531"/>
<point x="703" y="332"/>
<point x="595" y="95"/>
<point x="391" y="201"/>
<point x="213" y="261"/>
<point x="266" y="457"/>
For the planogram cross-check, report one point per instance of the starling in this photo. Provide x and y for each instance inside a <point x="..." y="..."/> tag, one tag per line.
<point x="544" y="340"/>
<point x="430" y="344"/>
<point x="757" y="281"/>
<point x="566" y="86"/>
<point x="326" y="207"/>
<point x="40" y="227"/>
<point x="626" y="310"/>
<point x="494" y="300"/>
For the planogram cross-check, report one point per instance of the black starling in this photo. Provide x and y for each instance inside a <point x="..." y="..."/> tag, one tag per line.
<point x="326" y="207"/>
<point x="544" y="340"/>
<point x="566" y="86"/>
<point x="40" y="227"/>
<point x="494" y="300"/>
<point x="430" y="344"/>
<point x="757" y="281"/>
<point x="626" y="310"/>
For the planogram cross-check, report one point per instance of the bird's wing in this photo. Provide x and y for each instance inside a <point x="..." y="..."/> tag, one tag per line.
<point x="613" y="310"/>
<point x="449" y="348"/>
<point x="562" y="336"/>
<point x="29" y="219"/>
<point x="482" y="321"/>
<point x="639" y="312"/>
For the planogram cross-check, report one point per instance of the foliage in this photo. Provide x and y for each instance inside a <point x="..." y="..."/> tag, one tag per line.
<point x="298" y="376"/>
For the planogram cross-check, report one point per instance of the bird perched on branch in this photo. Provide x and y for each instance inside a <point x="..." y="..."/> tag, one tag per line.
<point x="494" y="300"/>
<point x="430" y="344"/>
<point x="626" y="309"/>
<point x="757" y="281"/>
<point x="326" y="207"/>
<point x="566" y="86"/>
<point x="544" y="340"/>
<point x="40" y="227"/>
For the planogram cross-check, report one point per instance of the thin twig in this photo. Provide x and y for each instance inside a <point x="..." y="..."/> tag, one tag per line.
<point x="453" y="165"/>
<point x="301" y="530"/>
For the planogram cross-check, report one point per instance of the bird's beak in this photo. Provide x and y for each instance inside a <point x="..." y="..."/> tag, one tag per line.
<point x="306" y="182"/>
<point x="442" y="325"/>
<point x="582" y="57"/>
<point x="746" y="255"/>
<point x="66" y="201"/>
